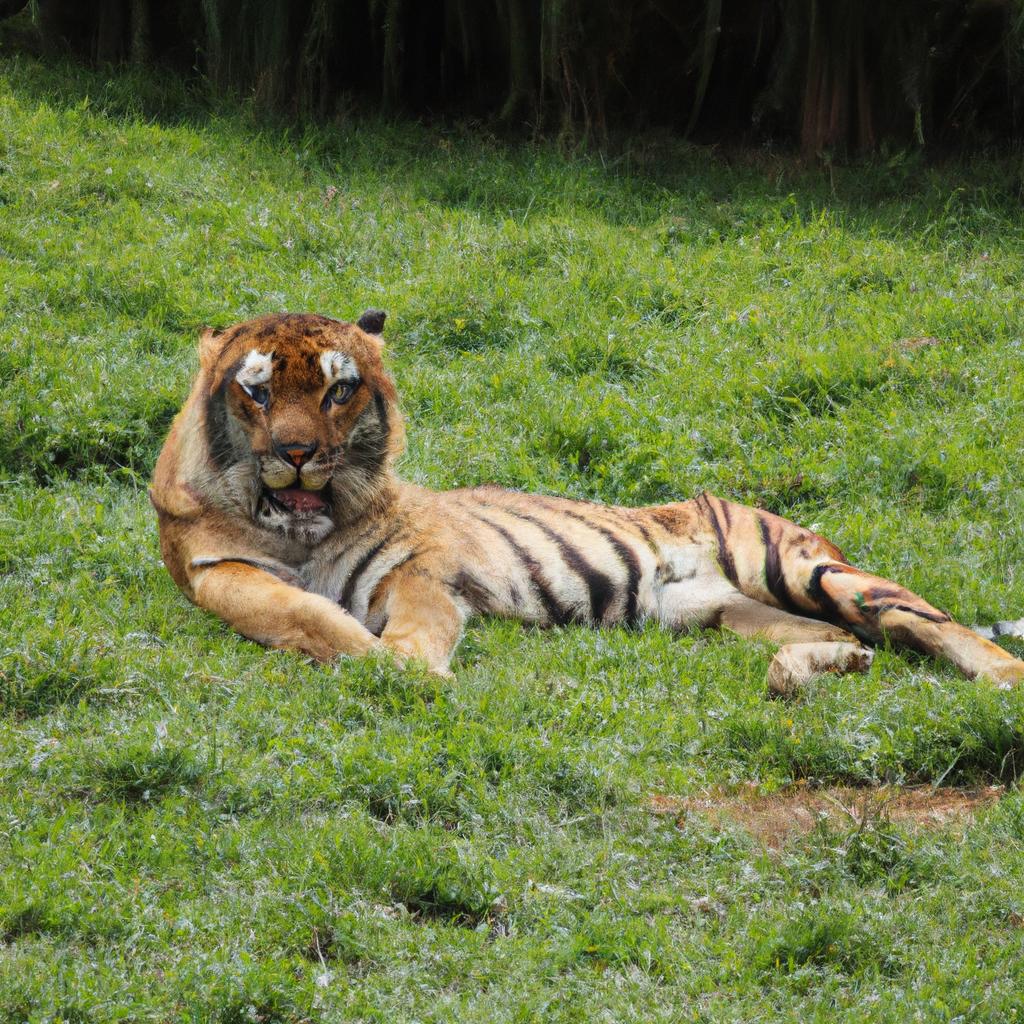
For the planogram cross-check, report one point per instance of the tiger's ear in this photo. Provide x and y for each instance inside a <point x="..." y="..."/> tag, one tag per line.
<point x="210" y="345"/>
<point x="372" y="321"/>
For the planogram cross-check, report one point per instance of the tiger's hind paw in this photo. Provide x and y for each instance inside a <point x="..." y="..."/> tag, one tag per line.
<point x="1006" y="675"/>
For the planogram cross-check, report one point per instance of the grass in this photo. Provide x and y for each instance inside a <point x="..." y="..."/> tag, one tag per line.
<point x="195" y="829"/>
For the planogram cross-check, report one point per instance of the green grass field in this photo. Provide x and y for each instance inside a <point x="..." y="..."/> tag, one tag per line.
<point x="195" y="829"/>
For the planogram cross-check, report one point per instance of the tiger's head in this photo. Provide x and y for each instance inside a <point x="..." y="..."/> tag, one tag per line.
<point x="301" y="419"/>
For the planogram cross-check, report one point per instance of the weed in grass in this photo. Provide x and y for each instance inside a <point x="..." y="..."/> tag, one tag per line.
<point x="341" y="941"/>
<point x="264" y="1008"/>
<point x="446" y="892"/>
<point x="466" y="323"/>
<point x="54" y="670"/>
<point x="73" y="1014"/>
<point x="574" y="780"/>
<point x="813" y="752"/>
<point x="821" y="389"/>
<point x="27" y="919"/>
<point x="924" y="737"/>
<point x="824" y="935"/>
<point x="138" y="773"/>
<point x="29" y="914"/>
<point x="379" y="681"/>
<point x="608" y="941"/>
<point x="871" y="849"/>
<point x="420" y="869"/>
<point x="232" y="798"/>
<point x="882" y="854"/>
<point x="610" y="360"/>
<point x="16" y="1007"/>
<point x="411" y="785"/>
<point x="440" y="884"/>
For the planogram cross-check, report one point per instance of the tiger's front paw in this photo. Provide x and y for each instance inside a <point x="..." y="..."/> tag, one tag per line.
<point x="409" y="654"/>
<point x="797" y="664"/>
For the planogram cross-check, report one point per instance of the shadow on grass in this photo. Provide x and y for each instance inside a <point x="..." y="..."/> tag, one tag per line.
<point x="722" y="192"/>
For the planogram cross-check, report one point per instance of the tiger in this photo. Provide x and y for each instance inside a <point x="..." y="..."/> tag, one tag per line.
<point x="280" y="511"/>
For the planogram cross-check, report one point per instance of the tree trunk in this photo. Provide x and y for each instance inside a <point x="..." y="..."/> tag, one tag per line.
<point x="392" y="54"/>
<point x="837" y="112"/>
<point x="517" y="103"/>
<point x="140" y="52"/>
<point x="110" y="31"/>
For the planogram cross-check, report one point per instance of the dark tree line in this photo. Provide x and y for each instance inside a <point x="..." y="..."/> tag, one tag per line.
<point x="833" y="76"/>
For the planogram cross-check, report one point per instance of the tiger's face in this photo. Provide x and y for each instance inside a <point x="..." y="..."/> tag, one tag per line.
<point x="301" y="417"/>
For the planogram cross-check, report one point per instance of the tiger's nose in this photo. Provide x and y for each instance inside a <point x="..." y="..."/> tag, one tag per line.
<point x="294" y="451"/>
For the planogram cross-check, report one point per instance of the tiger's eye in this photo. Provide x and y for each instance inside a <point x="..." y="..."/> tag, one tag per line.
<point x="340" y="393"/>
<point x="259" y="394"/>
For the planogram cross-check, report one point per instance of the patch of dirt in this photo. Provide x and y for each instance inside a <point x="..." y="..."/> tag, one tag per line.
<point x="774" y="818"/>
<point x="924" y="341"/>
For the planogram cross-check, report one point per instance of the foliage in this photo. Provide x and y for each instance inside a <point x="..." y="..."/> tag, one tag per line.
<point x="196" y="829"/>
<point x="835" y="75"/>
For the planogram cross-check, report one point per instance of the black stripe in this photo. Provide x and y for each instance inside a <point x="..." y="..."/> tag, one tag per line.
<point x="600" y="587"/>
<point x="831" y="611"/>
<point x="398" y="565"/>
<point x="725" y="559"/>
<point x="218" y="439"/>
<point x="630" y="562"/>
<point x="624" y="518"/>
<point x="827" y="607"/>
<point x="877" y="595"/>
<point x="893" y="606"/>
<point x="356" y="542"/>
<point x="382" y="410"/>
<point x="282" y="572"/>
<point x="475" y="593"/>
<point x="773" y="572"/>
<point x="816" y="592"/>
<point x="644" y="532"/>
<point x="369" y="450"/>
<point x="556" y="613"/>
<point x="363" y="564"/>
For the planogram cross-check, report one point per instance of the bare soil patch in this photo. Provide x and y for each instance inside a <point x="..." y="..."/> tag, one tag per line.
<point x="774" y="818"/>
<point x="923" y="341"/>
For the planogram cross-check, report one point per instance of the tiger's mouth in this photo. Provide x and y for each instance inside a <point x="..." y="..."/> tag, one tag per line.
<point x="298" y="502"/>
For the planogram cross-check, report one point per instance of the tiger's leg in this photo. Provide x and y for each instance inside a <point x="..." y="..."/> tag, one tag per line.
<point x="424" y="621"/>
<point x="876" y="608"/>
<point x="266" y="609"/>
<point x="783" y="565"/>
<point x="809" y="647"/>
<point x="752" y="618"/>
